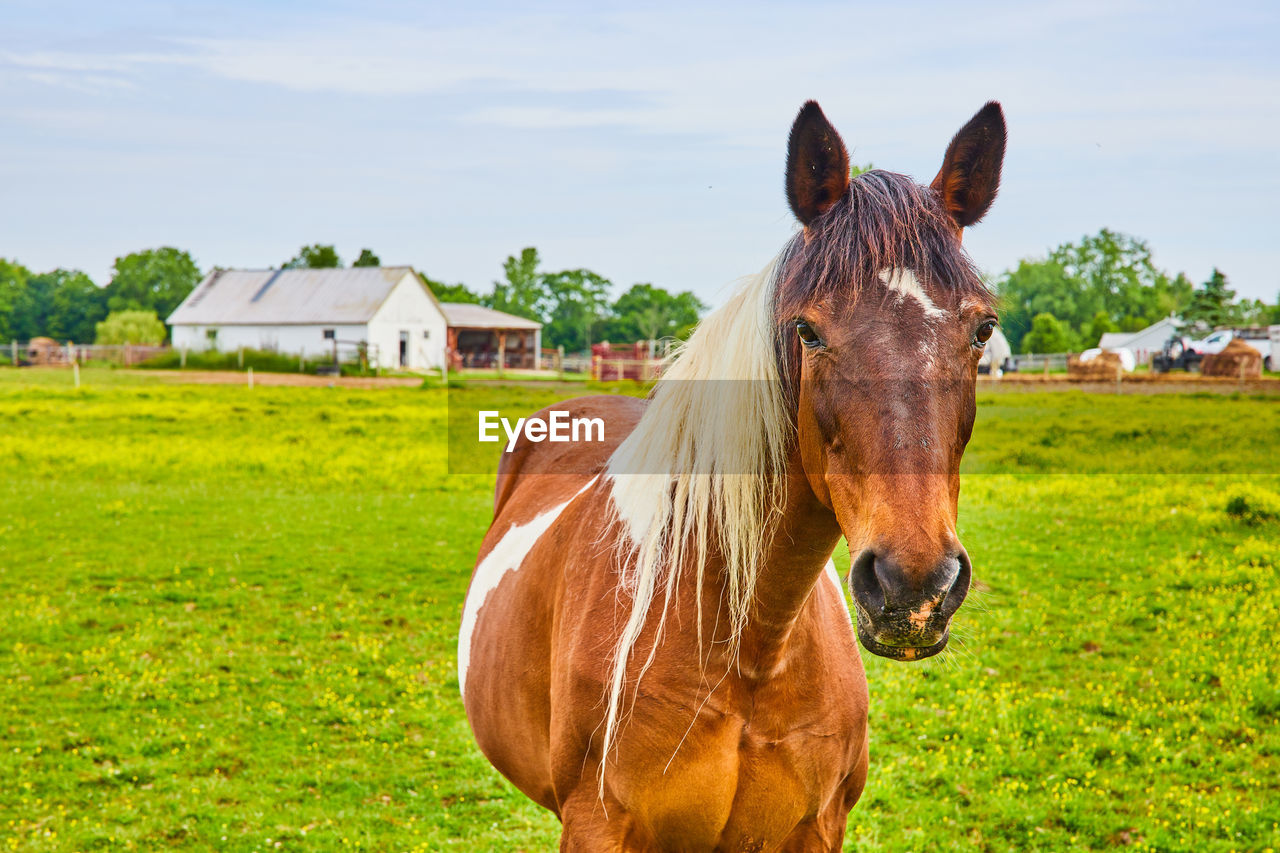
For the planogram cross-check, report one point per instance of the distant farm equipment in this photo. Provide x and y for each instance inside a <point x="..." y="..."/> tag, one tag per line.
<point x="1183" y="353"/>
<point x="1178" y="353"/>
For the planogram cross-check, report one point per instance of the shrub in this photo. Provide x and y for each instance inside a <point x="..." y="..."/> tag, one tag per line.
<point x="1254" y="506"/>
<point x="130" y="327"/>
<point x="260" y="360"/>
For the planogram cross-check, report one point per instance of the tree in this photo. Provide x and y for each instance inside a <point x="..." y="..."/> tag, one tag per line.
<point x="1100" y="325"/>
<point x="29" y="317"/>
<point x="131" y="327"/>
<point x="522" y="292"/>
<point x="1035" y="287"/>
<point x="63" y="304"/>
<point x="1047" y="334"/>
<point x="1211" y="303"/>
<point x="1109" y="273"/>
<point x="13" y="281"/>
<point x="451" y="292"/>
<point x="367" y="259"/>
<point x="153" y="280"/>
<point x="315" y="257"/>
<point x="76" y="305"/>
<point x="576" y="304"/>
<point x="646" y="313"/>
<point x="1253" y="312"/>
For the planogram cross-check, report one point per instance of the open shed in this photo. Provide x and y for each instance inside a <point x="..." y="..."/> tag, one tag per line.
<point x="483" y="337"/>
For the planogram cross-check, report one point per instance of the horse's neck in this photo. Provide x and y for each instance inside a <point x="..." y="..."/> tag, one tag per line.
<point x="805" y="538"/>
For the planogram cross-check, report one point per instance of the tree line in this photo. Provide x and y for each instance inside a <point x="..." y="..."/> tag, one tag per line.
<point x="573" y="305"/>
<point x="1063" y="302"/>
<point x="1108" y="282"/>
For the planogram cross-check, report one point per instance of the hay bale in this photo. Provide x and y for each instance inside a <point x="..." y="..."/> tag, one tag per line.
<point x="44" y="351"/>
<point x="1104" y="366"/>
<point x="1237" y="360"/>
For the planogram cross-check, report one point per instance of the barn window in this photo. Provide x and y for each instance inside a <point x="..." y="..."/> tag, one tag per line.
<point x="211" y="335"/>
<point x="426" y="333"/>
<point x="329" y="335"/>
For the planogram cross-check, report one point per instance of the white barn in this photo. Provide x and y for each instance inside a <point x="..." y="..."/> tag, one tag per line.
<point x="305" y="311"/>
<point x="1144" y="342"/>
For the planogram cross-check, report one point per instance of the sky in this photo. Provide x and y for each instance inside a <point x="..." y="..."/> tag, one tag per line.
<point x="643" y="141"/>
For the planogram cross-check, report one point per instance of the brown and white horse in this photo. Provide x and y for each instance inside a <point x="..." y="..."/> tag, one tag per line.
<point x="655" y="644"/>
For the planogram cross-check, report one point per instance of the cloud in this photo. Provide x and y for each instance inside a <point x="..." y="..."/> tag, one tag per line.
<point x="1119" y="113"/>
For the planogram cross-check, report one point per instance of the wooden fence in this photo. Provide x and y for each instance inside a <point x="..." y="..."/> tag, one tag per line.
<point x="46" y="352"/>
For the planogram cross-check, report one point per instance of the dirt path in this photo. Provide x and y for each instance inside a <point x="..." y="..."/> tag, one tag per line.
<point x="1141" y="383"/>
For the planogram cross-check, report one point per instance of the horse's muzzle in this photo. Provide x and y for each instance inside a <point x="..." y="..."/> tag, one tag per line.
<point x="904" y="615"/>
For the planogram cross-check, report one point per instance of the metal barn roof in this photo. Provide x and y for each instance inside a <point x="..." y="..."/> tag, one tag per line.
<point x="468" y="316"/>
<point x="277" y="297"/>
<point x="1153" y="337"/>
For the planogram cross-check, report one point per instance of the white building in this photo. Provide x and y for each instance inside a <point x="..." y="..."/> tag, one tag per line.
<point x="386" y="310"/>
<point x="996" y="353"/>
<point x="1144" y="342"/>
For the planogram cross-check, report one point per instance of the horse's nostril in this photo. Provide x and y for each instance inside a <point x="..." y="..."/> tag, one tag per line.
<point x="864" y="582"/>
<point x="958" y="587"/>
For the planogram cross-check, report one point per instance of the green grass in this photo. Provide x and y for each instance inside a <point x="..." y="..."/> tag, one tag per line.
<point x="231" y="621"/>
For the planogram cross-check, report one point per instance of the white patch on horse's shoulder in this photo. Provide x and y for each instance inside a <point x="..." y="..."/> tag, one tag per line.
<point x="637" y="500"/>
<point x="507" y="556"/>
<point x="904" y="282"/>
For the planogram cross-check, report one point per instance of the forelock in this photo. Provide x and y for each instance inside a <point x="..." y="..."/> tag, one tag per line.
<point x="885" y="221"/>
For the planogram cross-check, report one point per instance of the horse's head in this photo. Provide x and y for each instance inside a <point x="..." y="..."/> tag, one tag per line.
<point x="882" y="321"/>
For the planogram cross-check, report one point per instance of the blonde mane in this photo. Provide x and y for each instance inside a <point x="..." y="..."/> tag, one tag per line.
<point x="701" y="472"/>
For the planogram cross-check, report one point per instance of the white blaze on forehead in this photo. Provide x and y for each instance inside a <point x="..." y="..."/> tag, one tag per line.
<point x="506" y="556"/>
<point x="905" y="284"/>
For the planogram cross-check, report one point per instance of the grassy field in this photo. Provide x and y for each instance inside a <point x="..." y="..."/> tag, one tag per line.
<point x="231" y="621"/>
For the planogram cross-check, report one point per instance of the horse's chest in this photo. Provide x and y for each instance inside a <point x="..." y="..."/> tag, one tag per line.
<point x="735" y="785"/>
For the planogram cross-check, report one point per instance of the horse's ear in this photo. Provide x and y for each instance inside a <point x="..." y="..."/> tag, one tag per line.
<point x="817" y="165"/>
<point x="970" y="174"/>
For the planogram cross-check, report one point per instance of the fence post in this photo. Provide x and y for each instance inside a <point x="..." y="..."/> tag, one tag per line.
<point x="250" y="378"/>
<point x="13" y="348"/>
<point x="182" y="359"/>
<point x="75" y="368"/>
<point x="241" y="354"/>
<point x="560" y="362"/>
<point x="127" y="360"/>
<point x="502" y="352"/>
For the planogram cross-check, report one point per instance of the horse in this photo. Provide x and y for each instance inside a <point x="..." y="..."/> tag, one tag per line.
<point x="655" y="643"/>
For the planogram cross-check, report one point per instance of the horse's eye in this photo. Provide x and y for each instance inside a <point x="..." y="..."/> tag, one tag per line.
<point x="984" y="333"/>
<point x="808" y="336"/>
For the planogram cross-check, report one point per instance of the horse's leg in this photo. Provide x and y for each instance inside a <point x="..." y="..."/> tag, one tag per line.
<point x="823" y="834"/>
<point x="826" y="831"/>
<point x="587" y="830"/>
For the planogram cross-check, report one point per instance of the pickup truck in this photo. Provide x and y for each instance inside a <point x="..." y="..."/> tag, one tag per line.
<point x="1265" y="341"/>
